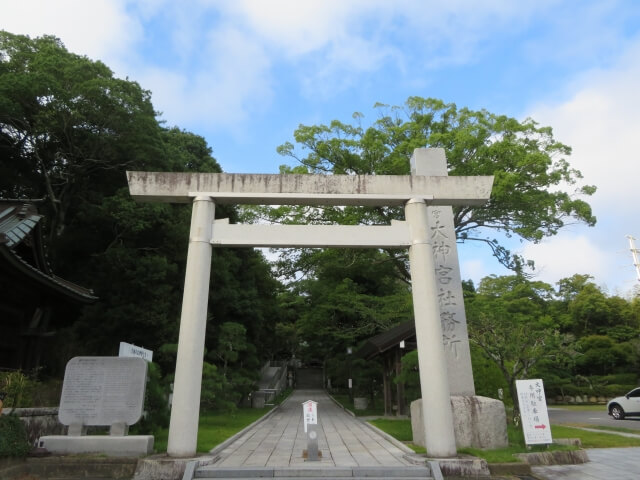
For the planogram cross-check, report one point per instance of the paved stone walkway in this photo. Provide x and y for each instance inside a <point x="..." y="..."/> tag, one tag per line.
<point x="605" y="464"/>
<point x="279" y="440"/>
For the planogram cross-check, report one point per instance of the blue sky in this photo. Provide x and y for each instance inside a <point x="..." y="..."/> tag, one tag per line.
<point x="245" y="73"/>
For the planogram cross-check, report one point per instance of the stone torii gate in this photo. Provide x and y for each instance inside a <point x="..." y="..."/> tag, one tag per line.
<point x="443" y="347"/>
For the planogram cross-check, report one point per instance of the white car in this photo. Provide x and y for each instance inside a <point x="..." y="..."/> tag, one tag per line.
<point x="626" y="406"/>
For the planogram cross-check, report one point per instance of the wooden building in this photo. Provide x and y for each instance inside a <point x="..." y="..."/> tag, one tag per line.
<point x="391" y="346"/>
<point x="33" y="300"/>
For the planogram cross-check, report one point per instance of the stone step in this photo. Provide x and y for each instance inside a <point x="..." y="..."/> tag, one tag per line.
<point x="324" y="478"/>
<point x="292" y="473"/>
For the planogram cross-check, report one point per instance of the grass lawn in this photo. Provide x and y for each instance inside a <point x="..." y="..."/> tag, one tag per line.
<point x="593" y="439"/>
<point x="581" y="408"/>
<point x="398" y="429"/>
<point x="603" y="428"/>
<point x="215" y="427"/>
<point x="401" y="430"/>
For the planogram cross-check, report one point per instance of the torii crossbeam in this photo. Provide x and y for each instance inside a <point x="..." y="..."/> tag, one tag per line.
<point x="415" y="192"/>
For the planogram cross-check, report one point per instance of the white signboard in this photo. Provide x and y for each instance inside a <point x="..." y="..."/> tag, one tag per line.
<point x="310" y="413"/>
<point x="533" y="411"/>
<point x="129" y="350"/>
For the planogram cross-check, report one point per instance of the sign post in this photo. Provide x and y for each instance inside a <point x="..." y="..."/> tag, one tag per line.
<point x="129" y="350"/>
<point x="533" y="412"/>
<point x="310" y="415"/>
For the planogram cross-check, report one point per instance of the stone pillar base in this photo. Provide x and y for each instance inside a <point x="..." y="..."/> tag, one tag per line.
<point x="478" y="422"/>
<point x="128" y="446"/>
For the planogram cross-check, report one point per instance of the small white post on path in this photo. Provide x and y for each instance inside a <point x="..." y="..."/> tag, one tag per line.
<point x="185" y="410"/>
<point x="310" y="417"/>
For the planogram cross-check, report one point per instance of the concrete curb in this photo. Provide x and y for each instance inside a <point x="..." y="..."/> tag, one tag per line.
<point x="557" y="457"/>
<point x="340" y="405"/>
<point x="383" y="434"/>
<point x="390" y="439"/>
<point x="510" y="468"/>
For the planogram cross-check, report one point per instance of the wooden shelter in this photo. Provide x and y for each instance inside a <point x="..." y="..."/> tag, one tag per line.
<point x="391" y="345"/>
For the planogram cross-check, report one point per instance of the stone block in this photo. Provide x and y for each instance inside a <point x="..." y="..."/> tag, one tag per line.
<point x="103" y="391"/>
<point x="162" y="467"/>
<point x="129" y="446"/>
<point x="558" y="457"/>
<point x="463" y="467"/>
<point x="479" y="422"/>
<point x="360" y="403"/>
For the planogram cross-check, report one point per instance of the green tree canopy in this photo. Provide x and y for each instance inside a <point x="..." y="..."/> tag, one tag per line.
<point x="535" y="193"/>
<point x="69" y="130"/>
<point x="509" y="320"/>
<point x="67" y="125"/>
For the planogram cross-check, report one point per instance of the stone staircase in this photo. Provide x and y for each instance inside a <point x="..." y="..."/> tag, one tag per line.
<point x="309" y="378"/>
<point x="317" y="472"/>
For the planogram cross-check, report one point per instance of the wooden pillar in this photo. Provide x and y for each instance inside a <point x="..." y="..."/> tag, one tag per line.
<point x="399" y="385"/>
<point x="386" y="385"/>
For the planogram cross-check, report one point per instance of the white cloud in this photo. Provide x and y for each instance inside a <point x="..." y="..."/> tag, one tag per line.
<point x="474" y="270"/>
<point x="601" y="122"/>
<point x="100" y="29"/>
<point x="233" y="79"/>
<point x="565" y="255"/>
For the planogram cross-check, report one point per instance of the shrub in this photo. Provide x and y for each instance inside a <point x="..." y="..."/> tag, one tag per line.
<point x="18" y="388"/>
<point x="156" y="408"/>
<point x="13" y="437"/>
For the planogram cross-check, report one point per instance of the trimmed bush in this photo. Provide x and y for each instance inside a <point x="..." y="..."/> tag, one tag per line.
<point x="13" y="437"/>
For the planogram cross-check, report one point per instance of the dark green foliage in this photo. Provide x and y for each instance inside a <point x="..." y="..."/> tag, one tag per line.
<point x="488" y="378"/>
<point x="18" y="389"/>
<point x="410" y="376"/>
<point x="69" y="131"/>
<point x="156" y="407"/>
<point x="600" y="355"/>
<point x="509" y="321"/>
<point x="13" y="437"/>
<point x="214" y="389"/>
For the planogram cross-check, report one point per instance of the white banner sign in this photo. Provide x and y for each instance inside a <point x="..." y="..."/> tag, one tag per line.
<point x="310" y="413"/>
<point x="129" y="350"/>
<point x="533" y="411"/>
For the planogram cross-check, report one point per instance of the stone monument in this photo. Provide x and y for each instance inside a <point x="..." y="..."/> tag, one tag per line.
<point x="101" y="391"/>
<point x="479" y="422"/>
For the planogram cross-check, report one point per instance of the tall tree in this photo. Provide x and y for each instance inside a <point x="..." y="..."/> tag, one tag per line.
<point x="68" y="131"/>
<point x="531" y="197"/>
<point x="508" y="320"/>
<point x="67" y="124"/>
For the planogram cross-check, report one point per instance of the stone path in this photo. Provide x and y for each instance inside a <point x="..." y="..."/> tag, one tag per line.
<point x="280" y="440"/>
<point x="605" y="464"/>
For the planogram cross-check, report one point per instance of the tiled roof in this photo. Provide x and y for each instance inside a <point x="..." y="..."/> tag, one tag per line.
<point x="386" y="340"/>
<point x="17" y="222"/>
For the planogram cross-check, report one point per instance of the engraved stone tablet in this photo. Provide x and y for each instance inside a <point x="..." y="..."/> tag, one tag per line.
<point x="103" y="391"/>
<point x="455" y="337"/>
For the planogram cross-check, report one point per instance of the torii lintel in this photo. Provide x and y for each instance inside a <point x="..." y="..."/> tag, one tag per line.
<point x="289" y="189"/>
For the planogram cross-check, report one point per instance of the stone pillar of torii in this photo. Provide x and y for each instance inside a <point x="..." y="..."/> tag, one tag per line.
<point x="427" y="196"/>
